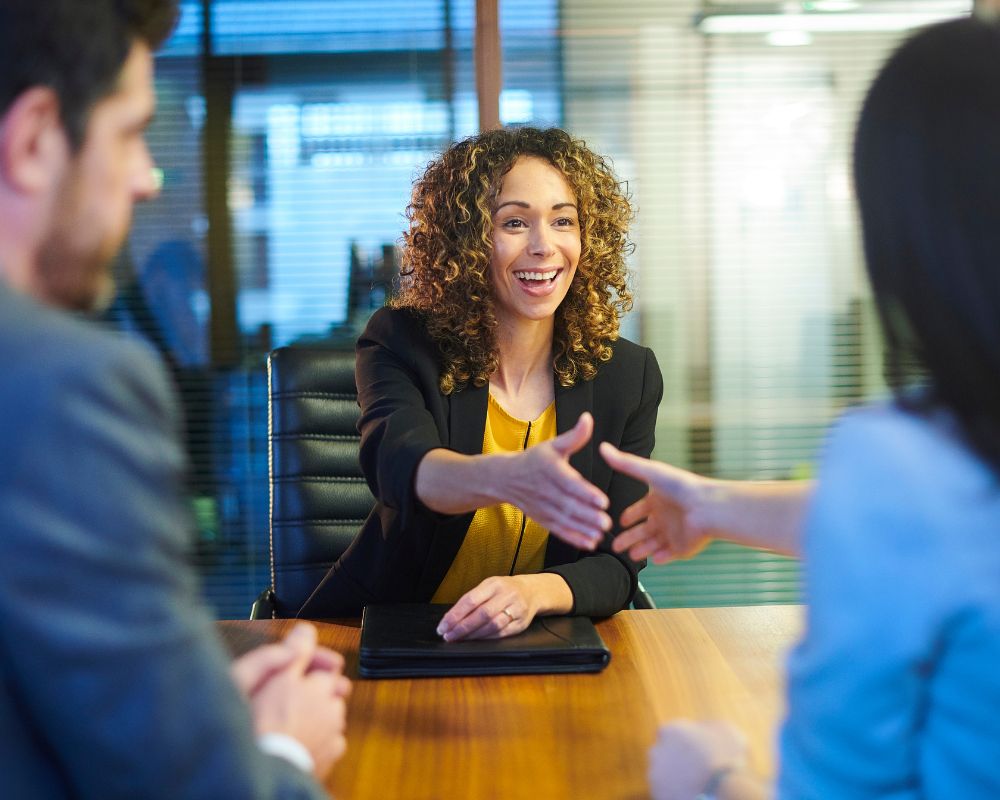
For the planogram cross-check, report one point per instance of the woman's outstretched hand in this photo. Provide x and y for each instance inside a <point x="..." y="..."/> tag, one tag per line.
<point x="541" y="482"/>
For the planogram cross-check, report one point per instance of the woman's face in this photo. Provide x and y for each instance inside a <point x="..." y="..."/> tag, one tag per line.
<point x="536" y="242"/>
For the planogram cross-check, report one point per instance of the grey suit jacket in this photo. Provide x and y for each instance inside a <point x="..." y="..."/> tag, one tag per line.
<point x="112" y="681"/>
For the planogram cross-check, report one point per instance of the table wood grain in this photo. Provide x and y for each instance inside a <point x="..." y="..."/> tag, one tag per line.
<point x="547" y="737"/>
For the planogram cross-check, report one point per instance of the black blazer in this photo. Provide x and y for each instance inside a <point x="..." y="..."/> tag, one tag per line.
<point x="404" y="549"/>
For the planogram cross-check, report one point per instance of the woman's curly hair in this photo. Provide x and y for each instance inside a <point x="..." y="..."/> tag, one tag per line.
<point x="446" y="255"/>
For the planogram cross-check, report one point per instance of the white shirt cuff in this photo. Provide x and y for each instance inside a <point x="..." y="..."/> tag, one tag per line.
<point x="287" y="747"/>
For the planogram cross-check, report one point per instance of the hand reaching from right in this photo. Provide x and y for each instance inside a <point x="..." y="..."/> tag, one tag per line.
<point x="667" y="522"/>
<point x="683" y="512"/>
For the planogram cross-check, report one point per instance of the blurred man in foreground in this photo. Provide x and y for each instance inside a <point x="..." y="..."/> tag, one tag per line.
<point x="113" y="682"/>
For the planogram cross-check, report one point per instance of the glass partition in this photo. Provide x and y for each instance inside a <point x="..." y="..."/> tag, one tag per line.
<point x="288" y="135"/>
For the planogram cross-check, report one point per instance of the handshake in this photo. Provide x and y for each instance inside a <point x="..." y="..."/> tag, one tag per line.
<point x="680" y="514"/>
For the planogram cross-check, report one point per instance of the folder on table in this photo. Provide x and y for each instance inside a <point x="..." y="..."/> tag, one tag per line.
<point x="401" y="641"/>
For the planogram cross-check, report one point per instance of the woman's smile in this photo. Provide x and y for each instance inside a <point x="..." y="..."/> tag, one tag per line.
<point x="538" y="283"/>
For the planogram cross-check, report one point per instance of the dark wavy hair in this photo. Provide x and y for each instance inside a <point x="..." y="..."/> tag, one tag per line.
<point x="75" y="47"/>
<point x="446" y="255"/>
<point x="927" y="174"/>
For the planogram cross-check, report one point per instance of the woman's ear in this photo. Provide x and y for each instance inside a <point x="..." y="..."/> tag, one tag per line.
<point x="34" y="148"/>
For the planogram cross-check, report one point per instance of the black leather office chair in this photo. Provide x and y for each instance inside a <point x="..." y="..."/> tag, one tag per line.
<point x="319" y="497"/>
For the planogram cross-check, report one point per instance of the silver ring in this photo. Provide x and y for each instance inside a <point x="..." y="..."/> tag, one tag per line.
<point x="510" y="617"/>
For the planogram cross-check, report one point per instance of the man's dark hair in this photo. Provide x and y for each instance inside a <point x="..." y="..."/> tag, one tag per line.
<point x="927" y="174"/>
<point x="75" y="47"/>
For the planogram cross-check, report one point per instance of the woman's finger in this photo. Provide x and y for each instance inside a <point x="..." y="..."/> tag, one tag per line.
<point x="646" y="547"/>
<point x="651" y="472"/>
<point x="561" y="522"/>
<point x="643" y="540"/>
<point x="500" y="622"/>
<point x="571" y="535"/>
<point x="512" y="618"/>
<point x="633" y="536"/>
<point x="639" y="510"/>
<point x="481" y="623"/>
<point x="572" y="484"/>
<point x="467" y="604"/>
<point x="591" y="522"/>
<point x="504" y="610"/>
<point x="576" y="437"/>
<point x="563" y="516"/>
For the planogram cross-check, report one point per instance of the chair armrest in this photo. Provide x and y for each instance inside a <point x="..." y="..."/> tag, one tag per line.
<point x="642" y="599"/>
<point x="263" y="606"/>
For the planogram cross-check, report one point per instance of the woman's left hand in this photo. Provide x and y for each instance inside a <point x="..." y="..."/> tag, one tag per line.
<point x="504" y="605"/>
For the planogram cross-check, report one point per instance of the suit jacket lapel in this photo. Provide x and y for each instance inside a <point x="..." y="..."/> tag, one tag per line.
<point x="467" y="419"/>
<point x="571" y="402"/>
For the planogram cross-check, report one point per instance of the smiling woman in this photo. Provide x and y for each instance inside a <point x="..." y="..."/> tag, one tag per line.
<point x="536" y="245"/>
<point x="450" y="246"/>
<point x="486" y="388"/>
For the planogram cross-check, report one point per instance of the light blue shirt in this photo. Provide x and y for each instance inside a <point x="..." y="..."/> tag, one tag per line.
<point x="894" y="691"/>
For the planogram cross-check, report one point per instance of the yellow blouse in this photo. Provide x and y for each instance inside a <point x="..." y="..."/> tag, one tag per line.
<point x="494" y="544"/>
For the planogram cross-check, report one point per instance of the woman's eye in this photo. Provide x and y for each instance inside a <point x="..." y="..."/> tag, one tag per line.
<point x="565" y="222"/>
<point x="514" y="223"/>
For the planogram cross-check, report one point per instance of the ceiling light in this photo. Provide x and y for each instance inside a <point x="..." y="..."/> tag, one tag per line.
<point x="833" y="5"/>
<point x="820" y="17"/>
<point x="789" y="38"/>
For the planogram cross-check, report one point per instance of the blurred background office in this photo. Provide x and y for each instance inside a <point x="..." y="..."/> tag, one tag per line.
<point x="288" y="134"/>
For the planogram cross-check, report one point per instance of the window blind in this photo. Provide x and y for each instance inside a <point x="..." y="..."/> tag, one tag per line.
<point x="289" y="133"/>
<point x="733" y="124"/>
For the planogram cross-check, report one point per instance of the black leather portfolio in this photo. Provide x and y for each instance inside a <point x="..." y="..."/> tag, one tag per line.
<point x="401" y="641"/>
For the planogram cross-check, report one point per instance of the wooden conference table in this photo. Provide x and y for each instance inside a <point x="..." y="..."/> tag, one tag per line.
<point x="548" y="737"/>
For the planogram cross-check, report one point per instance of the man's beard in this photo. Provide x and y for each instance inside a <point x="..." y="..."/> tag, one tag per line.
<point x="74" y="265"/>
<point x="73" y="280"/>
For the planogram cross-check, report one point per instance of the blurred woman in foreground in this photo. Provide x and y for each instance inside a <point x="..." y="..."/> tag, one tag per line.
<point x="893" y="692"/>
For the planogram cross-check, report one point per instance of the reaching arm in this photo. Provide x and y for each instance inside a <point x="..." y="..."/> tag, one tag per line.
<point x="409" y="469"/>
<point x="683" y="511"/>
<point x="538" y="480"/>
<point x="597" y="583"/>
